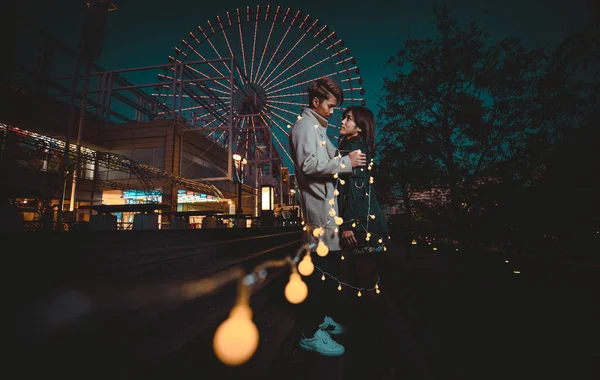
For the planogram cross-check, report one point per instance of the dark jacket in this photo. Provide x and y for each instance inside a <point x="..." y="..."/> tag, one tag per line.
<point x="358" y="200"/>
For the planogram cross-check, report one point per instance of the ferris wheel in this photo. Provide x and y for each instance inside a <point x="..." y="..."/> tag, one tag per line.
<point x="278" y="52"/>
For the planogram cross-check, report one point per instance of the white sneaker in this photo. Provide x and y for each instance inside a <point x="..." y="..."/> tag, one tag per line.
<point x="331" y="327"/>
<point x="322" y="343"/>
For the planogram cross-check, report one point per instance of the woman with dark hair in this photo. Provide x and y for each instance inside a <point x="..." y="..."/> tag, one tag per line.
<point x="363" y="235"/>
<point x="364" y="230"/>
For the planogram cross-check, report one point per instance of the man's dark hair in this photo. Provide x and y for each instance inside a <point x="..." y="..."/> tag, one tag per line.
<point x="323" y="88"/>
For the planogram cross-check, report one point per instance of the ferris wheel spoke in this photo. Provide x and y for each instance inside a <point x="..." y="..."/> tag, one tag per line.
<point x="279" y="116"/>
<point x="217" y="128"/>
<point x="254" y="41"/>
<point x="212" y="102"/>
<point x="276" y="139"/>
<point x="267" y="41"/>
<point x="295" y="114"/>
<point x="278" y="46"/>
<point x="268" y="85"/>
<point x="242" y="41"/>
<point x="227" y="39"/>
<point x="195" y="38"/>
<point x="288" y="103"/>
<point x="190" y="70"/>
<point x="344" y="71"/>
<point x="316" y="64"/>
<point x="290" y="51"/>
<point x="297" y="94"/>
<point x="283" y="149"/>
<point x="202" y="57"/>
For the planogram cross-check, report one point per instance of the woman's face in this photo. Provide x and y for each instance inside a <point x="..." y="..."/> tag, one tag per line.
<point x="349" y="127"/>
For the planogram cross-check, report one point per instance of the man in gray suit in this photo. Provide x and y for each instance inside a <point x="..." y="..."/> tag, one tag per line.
<point x="316" y="161"/>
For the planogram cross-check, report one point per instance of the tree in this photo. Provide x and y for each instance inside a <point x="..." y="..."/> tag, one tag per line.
<point x="457" y="106"/>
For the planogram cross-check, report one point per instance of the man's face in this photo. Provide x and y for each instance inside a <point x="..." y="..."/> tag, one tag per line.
<point x="324" y="107"/>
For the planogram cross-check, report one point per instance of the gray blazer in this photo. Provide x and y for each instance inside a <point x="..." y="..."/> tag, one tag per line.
<point x="316" y="160"/>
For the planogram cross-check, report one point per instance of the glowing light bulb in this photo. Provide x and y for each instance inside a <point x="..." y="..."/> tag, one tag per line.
<point x="322" y="249"/>
<point x="342" y="257"/>
<point x="295" y="290"/>
<point x="380" y="240"/>
<point x="289" y="126"/>
<point x="384" y="248"/>
<point x="332" y="212"/>
<point x="359" y="294"/>
<point x="371" y="180"/>
<point x="299" y="117"/>
<point x="372" y="216"/>
<point x="342" y="182"/>
<point x="323" y="143"/>
<point x="316" y="126"/>
<point x="339" y="220"/>
<point x="335" y="175"/>
<point x="336" y="192"/>
<point x="332" y="201"/>
<point x="306" y="266"/>
<point x="323" y="277"/>
<point x="377" y="291"/>
<point x="340" y="287"/>
<point x="236" y="339"/>
<point x="317" y="232"/>
<point x="353" y="225"/>
<point x="336" y="230"/>
<point x="342" y="166"/>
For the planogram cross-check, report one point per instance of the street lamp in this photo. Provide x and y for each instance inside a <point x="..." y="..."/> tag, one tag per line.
<point x="240" y="162"/>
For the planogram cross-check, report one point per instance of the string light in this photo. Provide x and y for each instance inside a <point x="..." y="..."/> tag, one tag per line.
<point x="236" y="339"/>
<point x="322" y="249"/>
<point x="325" y="274"/>
<point x="296" y="290"/>
<point x="306" y="266"/>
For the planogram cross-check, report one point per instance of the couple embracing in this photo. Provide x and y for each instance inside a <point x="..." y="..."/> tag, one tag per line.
<point x="336" y="182"/>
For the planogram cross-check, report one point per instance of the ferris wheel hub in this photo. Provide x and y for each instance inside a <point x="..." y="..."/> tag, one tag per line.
<point x="249" y="99"/>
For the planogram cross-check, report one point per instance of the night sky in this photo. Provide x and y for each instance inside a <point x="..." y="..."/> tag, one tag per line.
<point x="144" y="32"/>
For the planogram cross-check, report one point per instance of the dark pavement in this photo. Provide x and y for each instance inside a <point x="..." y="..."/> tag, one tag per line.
<point x="440" y="315"/>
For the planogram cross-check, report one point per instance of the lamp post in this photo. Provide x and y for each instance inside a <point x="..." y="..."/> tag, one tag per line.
<point x="240" y="162"/>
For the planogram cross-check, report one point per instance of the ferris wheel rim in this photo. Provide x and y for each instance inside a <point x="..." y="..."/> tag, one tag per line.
<point x="275" y="105"/>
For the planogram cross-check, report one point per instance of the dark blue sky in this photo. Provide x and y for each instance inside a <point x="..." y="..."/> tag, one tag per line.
<point x="145" y="32"/>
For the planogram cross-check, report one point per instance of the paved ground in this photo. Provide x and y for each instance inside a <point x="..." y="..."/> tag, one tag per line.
<point x="441" y="315"/>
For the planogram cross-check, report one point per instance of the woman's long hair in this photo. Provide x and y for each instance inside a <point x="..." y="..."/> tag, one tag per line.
<point x="365" y="121"/>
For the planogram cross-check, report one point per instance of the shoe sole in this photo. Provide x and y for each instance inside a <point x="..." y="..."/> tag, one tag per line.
<point x="309" y="348"/>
